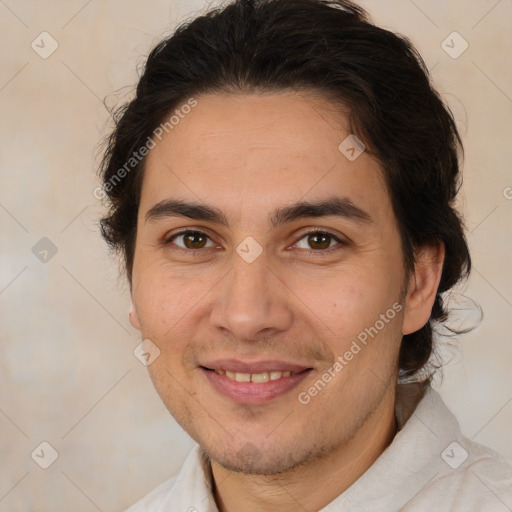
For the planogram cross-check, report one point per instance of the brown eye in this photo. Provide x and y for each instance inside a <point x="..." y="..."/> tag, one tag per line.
<point x="318" y="241"/>
<point x="190" y="240"/>
<point x="194" y="241"/>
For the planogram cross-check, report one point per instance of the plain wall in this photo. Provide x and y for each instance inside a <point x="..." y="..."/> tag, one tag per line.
<point x="67" y="372"/>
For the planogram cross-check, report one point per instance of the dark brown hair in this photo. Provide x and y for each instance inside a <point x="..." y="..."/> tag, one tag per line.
<point x="326" y="46"/>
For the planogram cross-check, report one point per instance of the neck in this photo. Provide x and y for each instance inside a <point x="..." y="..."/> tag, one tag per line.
<point x="299" y="487"/>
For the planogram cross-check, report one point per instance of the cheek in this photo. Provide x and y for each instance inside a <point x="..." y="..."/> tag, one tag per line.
<point x="349" y="300"/>
<point x="162" y="302"/>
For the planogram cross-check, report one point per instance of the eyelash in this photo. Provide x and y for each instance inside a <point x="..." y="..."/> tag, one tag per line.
<point x="341" y="243"/>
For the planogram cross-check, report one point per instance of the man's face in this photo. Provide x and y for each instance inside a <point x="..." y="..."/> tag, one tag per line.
<point x="210" y="301"/>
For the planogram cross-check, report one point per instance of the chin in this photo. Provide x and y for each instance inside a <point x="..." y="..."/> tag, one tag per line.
<point x="249" y="460"/>
<point x="262" y="467"/>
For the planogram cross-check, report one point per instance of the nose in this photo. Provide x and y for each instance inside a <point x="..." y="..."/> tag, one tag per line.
<point x="251" y="302"/>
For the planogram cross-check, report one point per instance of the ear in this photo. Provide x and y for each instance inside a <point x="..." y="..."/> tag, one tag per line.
<point x="422" y="287"/>
<point x="134" y="316"/>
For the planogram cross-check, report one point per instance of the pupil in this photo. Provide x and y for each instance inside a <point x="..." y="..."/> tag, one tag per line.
<point x="194" y="240"/>
<point x="322" y="244"/>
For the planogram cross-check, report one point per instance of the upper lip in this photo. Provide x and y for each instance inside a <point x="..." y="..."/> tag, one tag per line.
<point x="237" y="366"/>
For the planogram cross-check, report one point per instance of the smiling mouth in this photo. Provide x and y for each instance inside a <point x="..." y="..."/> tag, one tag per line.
<point x="258" y="378"/>
<point x="254" y="383"/>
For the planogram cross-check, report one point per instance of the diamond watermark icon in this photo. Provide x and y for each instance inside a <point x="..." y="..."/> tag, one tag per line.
<point x="454" y="455"/>
<point x="146" y="352"/>
<point x="44" y="45"/>
<point x="44" y="455"/>
<point x="249" y="249"/>
<point x="454" y="45"/>
<point x="44" y="250"/>
<point x="351" y="147"/>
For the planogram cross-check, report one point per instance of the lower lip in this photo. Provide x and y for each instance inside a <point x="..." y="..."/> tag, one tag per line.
<point x="252" y="392"/>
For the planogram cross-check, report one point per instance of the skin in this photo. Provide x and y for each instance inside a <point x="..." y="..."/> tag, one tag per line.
<point x="248" y="155"/>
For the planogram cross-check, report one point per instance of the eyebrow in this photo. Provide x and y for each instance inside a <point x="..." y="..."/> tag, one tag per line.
<point x="333" y="206"/>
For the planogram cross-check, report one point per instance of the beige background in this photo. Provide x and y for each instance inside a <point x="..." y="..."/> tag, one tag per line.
<point x="67" y="372"/>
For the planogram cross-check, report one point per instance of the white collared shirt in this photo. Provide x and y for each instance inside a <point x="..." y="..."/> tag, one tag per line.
<point x="428" y="467"/>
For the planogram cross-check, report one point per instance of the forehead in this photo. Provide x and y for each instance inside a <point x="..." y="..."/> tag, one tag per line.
<point x="251" y="152"/>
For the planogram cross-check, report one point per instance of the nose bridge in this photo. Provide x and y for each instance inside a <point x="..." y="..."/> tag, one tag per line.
<point x="249" y="301"/>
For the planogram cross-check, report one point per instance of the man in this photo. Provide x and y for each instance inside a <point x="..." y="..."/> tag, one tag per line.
<point x="282" y="192"/>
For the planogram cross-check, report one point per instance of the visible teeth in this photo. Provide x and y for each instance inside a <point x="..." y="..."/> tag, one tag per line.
<point x="259" y="377"/>
<point x="254" y="377"/>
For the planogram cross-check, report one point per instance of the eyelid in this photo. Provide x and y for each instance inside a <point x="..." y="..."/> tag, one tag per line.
<point x="322" y="231"/>
<point x="168" y="239"/>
